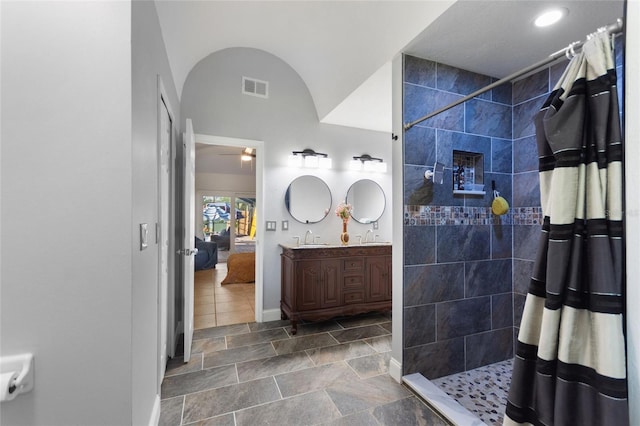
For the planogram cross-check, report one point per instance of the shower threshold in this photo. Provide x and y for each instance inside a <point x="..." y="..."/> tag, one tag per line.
<point x="474" y="397"/>
<point x="448" y="407"/>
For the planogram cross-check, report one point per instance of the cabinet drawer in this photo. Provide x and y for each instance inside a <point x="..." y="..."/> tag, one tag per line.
<point x="351" y="265"/>
<point x="353" y="281"/>
<point x="353" y="297"/>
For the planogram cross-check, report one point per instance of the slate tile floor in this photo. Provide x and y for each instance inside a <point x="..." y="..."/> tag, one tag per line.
<point x="329" y="373"/>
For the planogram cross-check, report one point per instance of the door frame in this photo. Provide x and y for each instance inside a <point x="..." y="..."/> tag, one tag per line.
<point x="162" y="230"/>
<point x="259" y="147"/>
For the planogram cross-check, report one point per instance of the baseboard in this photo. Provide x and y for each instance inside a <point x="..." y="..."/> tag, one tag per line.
<point x="155" y="413"/>
<point x="395" y="370"/>
<point x="271" y="315"/>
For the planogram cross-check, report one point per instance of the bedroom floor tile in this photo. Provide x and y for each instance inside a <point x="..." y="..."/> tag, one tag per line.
<point x="204" y="309"/>
<point x="204" y="321"/>
<point x="226" y="318"/>
<point x="236" y="305"/>
<point x="202" y="291"/>
<point x="216" y="304"/>
<point x="204" y="300"/>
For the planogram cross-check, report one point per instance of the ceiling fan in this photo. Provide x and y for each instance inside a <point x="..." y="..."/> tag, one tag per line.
<point x="247" y="154"/>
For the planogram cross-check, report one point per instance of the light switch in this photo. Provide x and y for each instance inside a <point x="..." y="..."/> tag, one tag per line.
<point x="285" y="225"/>
<point x="144" y="236"/>
<point x="271" y="225"/>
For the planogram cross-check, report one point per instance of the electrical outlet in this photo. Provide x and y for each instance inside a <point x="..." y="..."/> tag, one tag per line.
<point x="285" y="225"/>
<point x="375" y="225"/>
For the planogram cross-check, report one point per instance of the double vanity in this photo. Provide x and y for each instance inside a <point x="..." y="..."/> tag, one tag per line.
<point x="322" y="282"/>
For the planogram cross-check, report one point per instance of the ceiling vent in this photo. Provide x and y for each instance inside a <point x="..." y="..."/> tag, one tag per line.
<point x="255" y="87"/>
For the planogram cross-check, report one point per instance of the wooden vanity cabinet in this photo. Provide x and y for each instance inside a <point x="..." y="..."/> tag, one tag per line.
<point x="321" y="283"/>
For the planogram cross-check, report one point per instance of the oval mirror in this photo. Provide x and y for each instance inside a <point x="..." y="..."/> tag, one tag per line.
<point x="308" y="199"/>
<point x="367" y="199"/>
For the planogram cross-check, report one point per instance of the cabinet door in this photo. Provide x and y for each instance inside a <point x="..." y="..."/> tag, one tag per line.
<point x="331" y="286"/>
<point x="378" y="283"/>
<point x="309" y="274"/>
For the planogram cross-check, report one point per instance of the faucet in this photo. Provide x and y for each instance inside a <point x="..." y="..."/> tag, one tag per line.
<point x="366" y="236"/>
<point x="307" y="235"/>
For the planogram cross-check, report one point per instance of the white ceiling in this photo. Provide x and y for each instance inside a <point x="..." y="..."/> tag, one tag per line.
<point x="497" y="38"/>
<point x="333" y="45"/>
<point x="342" y="49"/>
<point x="222" y="159"/>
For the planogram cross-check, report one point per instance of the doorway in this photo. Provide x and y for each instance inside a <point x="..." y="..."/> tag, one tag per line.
<point x="229" y="225"/>
<point x="234" y="204"/>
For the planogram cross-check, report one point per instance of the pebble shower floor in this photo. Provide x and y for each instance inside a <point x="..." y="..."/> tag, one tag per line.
<point x="483" y="391"/>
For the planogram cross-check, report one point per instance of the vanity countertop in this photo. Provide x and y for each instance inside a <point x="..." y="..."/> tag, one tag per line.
<point x="332" y="246"/>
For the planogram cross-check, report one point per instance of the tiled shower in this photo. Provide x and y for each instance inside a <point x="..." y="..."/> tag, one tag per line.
<point x="466" y="271"/>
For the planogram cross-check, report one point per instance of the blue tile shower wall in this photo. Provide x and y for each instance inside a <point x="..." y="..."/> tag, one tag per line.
<point x="458" y="303"/>
<point x="466" y="271"/>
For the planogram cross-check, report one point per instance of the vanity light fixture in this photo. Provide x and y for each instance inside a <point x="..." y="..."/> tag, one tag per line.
<point x="310" y="159"/>
<point x="368" y="164"/>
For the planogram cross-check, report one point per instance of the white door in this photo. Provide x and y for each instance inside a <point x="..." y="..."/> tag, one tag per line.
<point x="162" y="233"/>
<point x="188" y="251"/>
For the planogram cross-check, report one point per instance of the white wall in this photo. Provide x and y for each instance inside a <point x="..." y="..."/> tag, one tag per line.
<point x="286" y="121"/>
<point x="395" y="366"/>
<point x="66" y="209"/>
<point x="632" y="143"/>
<point x="149" y="60"/>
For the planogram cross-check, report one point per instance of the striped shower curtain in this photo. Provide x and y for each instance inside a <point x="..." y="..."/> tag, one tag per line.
<point x="570" y="367"/>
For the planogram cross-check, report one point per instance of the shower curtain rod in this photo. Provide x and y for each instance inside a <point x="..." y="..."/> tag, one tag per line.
<point x="612" y="29"/>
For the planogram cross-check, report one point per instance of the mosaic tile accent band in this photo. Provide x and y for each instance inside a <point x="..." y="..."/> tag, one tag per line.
<point x="461" y="215"/>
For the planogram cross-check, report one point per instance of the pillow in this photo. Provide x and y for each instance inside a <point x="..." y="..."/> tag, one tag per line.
<point x="241" y="268"/>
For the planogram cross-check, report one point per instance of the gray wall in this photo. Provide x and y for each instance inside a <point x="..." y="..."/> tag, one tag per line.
<point x="66" y="209"/>
<point x="149" y="60"/>
<point x="287" y="121"/>
<point x="78" y="176"/>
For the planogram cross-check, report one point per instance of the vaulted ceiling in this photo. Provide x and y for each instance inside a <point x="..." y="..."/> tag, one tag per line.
<point x="342" y="49"/>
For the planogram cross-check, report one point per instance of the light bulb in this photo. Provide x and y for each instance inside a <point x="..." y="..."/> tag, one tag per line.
<point x="550" y="17"/>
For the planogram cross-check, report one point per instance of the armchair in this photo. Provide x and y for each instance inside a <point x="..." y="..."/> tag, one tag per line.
<point x="207" y="255"/>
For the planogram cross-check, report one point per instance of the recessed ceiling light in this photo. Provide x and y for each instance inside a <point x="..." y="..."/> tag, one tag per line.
<point x="550" y="17"/>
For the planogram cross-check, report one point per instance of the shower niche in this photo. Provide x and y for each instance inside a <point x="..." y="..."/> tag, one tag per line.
<point x="468" y="173"/>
